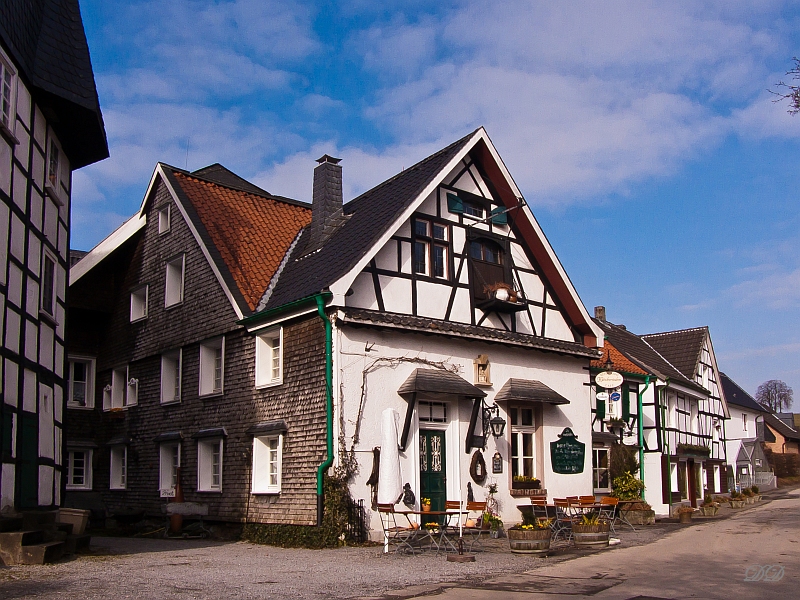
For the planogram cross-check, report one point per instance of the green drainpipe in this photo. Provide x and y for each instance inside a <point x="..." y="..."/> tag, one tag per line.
<point x="328" y="407"/>
<point x="641" y="430"/>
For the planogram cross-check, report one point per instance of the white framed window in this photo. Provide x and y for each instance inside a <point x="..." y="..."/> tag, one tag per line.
<point x="432" y="412"/>
<point x="269" y="358"/>
<point x="171" y="368"/>
<point x="139" y="298"/>
<point x="8" y="89"/>
<point x="169" y="463"/>
<point x="744" y="422"/>
<point x="523" y="437"/>
<point x="212" y="366"/>
<point x="600" y="474"/>
<point x="47" y="292"/>
<point x="119" y="468"/>
<point x="80" y="382"/>
<point x="209" y="465"/>
<point x="163" y="219"/>
<point x="79" y="469"/>
<point x="173" y="291"/>
<point x="267" y="458"/>
<point x="123" y="390"/>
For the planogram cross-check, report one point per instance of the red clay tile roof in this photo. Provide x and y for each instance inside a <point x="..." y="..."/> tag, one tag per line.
<point x="251" y="232"/>
<point x="619" y="360"/>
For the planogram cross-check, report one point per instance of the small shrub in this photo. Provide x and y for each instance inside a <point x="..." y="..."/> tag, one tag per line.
<point x="627" y="487"/>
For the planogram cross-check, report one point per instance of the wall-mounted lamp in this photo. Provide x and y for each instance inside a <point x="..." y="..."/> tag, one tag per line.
<point x="496" y="423"/>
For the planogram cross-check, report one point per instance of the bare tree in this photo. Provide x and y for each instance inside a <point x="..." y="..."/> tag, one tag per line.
<point x="790" y="91"/>
<point x="775" y="395"/>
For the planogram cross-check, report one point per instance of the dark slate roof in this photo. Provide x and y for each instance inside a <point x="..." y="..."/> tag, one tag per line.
<point x="366" y="218"/>
<point x="734" y="394"/>
<point x="681" y="348"/>
<point x="776" y="424"/>
<point x="374" y="318"/>
<point x="47" y="42"/>
<point x="528" y="390"/>
<point x="640" y="352"/>
<point x="439" y="382"/>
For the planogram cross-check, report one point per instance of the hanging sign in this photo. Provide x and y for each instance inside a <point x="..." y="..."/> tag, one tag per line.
<point x="497" y="463"/>
<point x="602" y="396"/>
<point x="567" y="454"/>
<point x="608" y="379"/>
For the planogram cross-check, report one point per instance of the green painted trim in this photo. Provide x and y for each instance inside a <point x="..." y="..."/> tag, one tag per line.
<point x="639" y="420"/>
<point x="321" y="300"/>
<point x="266" y="315"/>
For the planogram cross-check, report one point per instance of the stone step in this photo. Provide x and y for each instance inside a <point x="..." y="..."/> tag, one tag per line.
<point x="39" y="519"/>
<point x="65" y="527"/>
<point x="76" y="543"/>
<point x="10" y="524"/>
<point x="10" y="539"/>
<point x="39" y="554"/>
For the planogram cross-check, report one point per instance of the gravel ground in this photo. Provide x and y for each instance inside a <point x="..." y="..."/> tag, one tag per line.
<point x="121" y="568"/>
<point x="118" y="568"/>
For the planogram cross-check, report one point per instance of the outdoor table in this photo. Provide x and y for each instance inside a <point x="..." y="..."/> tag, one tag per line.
<point x="423" y="533"/>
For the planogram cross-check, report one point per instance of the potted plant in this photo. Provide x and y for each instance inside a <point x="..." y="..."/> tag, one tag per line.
<point x="685" y="514"/>
<point x="523" y="482"/>
<point x="592" y="531"/>
<point x="425" y="503"/>
<point x="709" y="507"/>
<point x="736" y="501"/>
<point x="492" y="522"/>
<point x="531" y="538"/>
<point x="638" y="513"/>
<point x="754" y="489"/>
<point x="747" y="494"/>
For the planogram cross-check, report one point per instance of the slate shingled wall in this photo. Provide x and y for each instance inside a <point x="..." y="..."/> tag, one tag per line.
<point x="205" y="313"/>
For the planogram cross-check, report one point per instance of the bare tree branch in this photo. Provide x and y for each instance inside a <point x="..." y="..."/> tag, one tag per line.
<point x="790" y="91"/>
<point x="775" y="395"/>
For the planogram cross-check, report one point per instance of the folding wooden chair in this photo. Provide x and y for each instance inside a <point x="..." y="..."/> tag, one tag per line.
<point x="474" y="532"/>
<point x="610" y="510"/>
<point x="400" y="537"/>
<point x="586" y="499"/>
<point x="563" y="519"/>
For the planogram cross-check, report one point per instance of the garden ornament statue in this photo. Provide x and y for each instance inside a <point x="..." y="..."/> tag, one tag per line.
<point x="470" y="495"/>
<point x="408" y="496"/>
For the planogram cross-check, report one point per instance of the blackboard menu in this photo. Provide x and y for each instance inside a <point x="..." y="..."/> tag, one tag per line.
<point x="567" y="454"/>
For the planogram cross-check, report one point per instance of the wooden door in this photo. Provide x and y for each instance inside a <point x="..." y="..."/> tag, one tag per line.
<point x="432" y="467"/>
<point x="28" y="469"/>
<point x="691" y="471"/>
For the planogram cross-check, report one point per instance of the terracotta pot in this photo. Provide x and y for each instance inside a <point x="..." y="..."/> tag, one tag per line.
<point x="426" y="508"/>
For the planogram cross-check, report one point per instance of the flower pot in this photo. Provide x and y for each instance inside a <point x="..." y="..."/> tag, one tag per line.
<point x="757" y="497"/>
<point x="749" y="500"/>
<point x="426" y="508"/>
<point x="685" y="517"/>
<point x="737" y="503"/>
<point x="525" y="485"/>
<point x="640" y="517"/>
<point x="77" y="517"/>
<point x="709" y="511"/>
<point x="529" y="541"/>
<point x="590" y="536"/>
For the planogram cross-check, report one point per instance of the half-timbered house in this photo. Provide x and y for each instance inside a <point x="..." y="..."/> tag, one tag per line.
<point x="673" y="415"/>
<point x="435" y="294"/>
<point x="50" y="125"/>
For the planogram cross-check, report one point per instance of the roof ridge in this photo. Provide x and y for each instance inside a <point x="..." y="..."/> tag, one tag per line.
<point x="701" y="327"/>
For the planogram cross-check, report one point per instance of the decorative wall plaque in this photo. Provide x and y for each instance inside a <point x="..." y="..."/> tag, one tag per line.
<point x="497" y="463"/>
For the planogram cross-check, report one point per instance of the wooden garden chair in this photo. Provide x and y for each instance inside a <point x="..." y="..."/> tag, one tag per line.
<point x="399" y="537"/>
<point x="610" y="510"/>
<point x="563" y="519"/>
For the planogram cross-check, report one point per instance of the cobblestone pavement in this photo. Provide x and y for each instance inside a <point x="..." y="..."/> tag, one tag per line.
<point x="119" y="568"/>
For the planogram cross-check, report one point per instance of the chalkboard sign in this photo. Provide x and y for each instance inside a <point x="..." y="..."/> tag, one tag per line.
<point x="567" y="454"/>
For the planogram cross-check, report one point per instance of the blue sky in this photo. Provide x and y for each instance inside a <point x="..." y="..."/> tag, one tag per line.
<point x="641" y="133"/>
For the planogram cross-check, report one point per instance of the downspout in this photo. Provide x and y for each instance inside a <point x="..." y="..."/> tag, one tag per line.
<point x="641" y="430"/>
<point x="328" y="407"/>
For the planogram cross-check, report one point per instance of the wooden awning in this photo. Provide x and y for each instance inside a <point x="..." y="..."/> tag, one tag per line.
<point x="528" y="390"/>
<point x="433" y="381"/>
<point x="267" y="427"/>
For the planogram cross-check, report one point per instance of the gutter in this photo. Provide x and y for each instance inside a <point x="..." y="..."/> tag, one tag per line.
<point x="320" y="299"/>
<point x="640" y="427"/>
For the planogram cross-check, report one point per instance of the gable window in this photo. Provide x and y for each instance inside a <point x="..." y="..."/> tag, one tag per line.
<point x="122" y="391"/>
<point x="171" y="376"/>
<point x="430" y="248"/>
<point x="269" y="358"/>
<point x="212" y="365"/>
<point x="209" y="465"/>
<point x="7" y="89"/>
<point x="119" y="468"/>
<point x="267" y="451"/>
<point x="163" y="219"/>
<point x="139" y="298"/>
<point x="80" y="382"/>
<point x="473" y="210"/>
<point x="53" y="160"/>
<point x="48" y="284"/>
<point x="169" y="463"/>
<point x="173" y="293"/>
<point x="523" y="432"/>
<point x="600" y="476"/>
<point x="79" y="470"/>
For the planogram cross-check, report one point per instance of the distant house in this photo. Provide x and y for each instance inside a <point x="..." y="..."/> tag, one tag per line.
<point x="747" y="463"/>
<point x="50" y="125"/>
<point x="682" y="446"/>
<point x="254" y="342"/>
<point x="779" y="437"/>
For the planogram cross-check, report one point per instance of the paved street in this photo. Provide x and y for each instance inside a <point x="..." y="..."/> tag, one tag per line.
<point x="708" y="560"/>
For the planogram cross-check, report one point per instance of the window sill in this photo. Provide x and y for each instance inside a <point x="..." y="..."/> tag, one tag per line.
<point x="47" y="318"/>
<point x="79" y="407"/>
<point x="53" y="193"/>
<point x="8" y="134"/>
<point x="118" y="489"/>
<point x="139" y="319"/>
<point x="209" y="491"/>
<point x="266" y="493"/>
<point x="270" y="384"/>
<point x="73" y="488"/>
<point x="212" y="395"/>
<point x="173" y="305"/>
<point x="170" y="403"/>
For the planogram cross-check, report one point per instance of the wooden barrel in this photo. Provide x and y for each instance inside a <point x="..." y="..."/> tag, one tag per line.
<point x="529" y="541"/>
<point x="590" y="535"/>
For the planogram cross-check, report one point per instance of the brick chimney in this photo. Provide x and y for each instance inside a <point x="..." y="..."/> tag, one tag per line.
<point x="600" y="313"/>
<point x="326" y="204"/>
